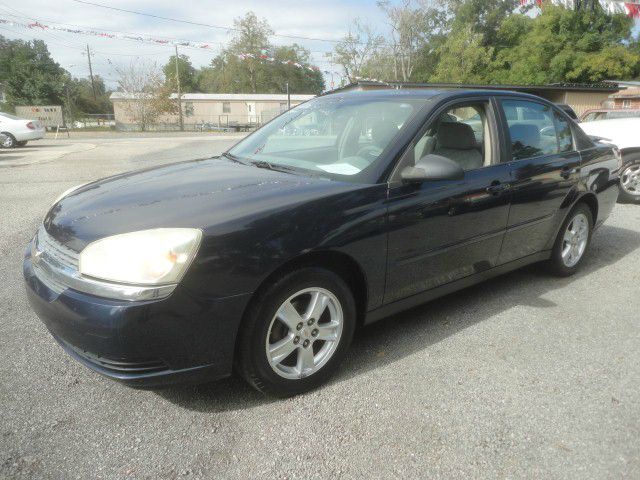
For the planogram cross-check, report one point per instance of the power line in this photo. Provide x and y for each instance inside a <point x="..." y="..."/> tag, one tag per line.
<point x="189" y="22"/>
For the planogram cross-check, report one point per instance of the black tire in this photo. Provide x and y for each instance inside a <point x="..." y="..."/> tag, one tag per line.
<point x="624" y="196"/>
<point x="252" y="361"/>
<point x="556" y="263"/>
<point x="21" y="144"/>
<point x="10" y="141"/>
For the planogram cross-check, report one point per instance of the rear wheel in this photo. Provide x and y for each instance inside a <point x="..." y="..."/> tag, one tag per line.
<point x="9" y="142"/>
<point x="630" y="184"/>
<point x="297" y="333"/>
<point x="572" y="241"/>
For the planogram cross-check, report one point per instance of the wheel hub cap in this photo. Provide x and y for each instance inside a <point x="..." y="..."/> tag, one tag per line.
<point x="304" y="333"/>
<point x="575" y="239"/>
<point x="630" y="180"/>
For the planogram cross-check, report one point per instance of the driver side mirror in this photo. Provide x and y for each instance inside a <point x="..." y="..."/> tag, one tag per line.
<point x="432" y="167"/>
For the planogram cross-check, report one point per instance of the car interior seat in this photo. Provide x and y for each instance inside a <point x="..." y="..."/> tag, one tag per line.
<point x="457" y="142"/>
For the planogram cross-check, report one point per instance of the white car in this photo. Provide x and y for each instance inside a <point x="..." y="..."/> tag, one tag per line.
<point x="19" y="131"/>
<point x="624" y="134"/>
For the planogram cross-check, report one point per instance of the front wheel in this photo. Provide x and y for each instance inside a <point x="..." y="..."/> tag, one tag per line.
<point x="572" y="241"/>
<point x="630" y="184"/>
<point x="297" y="332"/>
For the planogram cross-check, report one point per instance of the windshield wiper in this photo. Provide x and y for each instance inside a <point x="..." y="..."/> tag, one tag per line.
<point x="271" y="166"/>
<point x="232" y="157"/>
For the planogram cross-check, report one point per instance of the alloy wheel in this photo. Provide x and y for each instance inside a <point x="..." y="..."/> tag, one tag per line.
<point x="8" y="142"/>
<point x="575" y="239"/>
<point x="630" y="180"/>
<point x="304" y="333"/>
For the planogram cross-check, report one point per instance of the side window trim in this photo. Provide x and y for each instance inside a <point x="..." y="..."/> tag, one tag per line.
<point x="508" y="144"/>
<point x="559" y="113"/>
<point x="492" y="118"/>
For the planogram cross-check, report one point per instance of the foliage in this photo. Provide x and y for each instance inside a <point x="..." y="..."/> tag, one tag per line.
<point x="29" y="75"/>
<point x="494" y="41"/>
<point x="187" y="73"/>
<point x="144" y="81"/>
<point x="563" y="45"/>
<point x="356" y="50"/>
<point x="228" y="73"/>
<point x="463" y="58"/>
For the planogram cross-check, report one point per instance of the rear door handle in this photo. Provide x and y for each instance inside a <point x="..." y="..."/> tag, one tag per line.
<point x="496" y="188"/>
<point x="567" y="172"/>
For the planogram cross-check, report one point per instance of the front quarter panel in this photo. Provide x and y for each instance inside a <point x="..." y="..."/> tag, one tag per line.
<point x="237" y="256"/>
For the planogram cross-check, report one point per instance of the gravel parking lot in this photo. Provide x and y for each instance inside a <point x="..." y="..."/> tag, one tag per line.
<point x="524" y="376"/>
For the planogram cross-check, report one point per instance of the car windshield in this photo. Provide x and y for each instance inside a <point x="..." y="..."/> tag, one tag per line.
<point x="333" y="136"/>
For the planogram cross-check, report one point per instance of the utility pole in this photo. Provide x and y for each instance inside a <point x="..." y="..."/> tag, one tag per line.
<point x="93" y="85"/>
<point x="179" y="93"/>
<point x="288" y="98"/>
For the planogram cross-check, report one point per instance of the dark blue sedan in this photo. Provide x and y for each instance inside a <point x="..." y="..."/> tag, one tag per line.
<point x="341" y="211"/>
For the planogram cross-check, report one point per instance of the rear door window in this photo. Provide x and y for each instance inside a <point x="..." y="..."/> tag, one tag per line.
<point x="531" y="129"/>
<point x="565" y="137"/>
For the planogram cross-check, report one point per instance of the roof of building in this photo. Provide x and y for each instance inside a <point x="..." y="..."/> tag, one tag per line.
<point x="605" y="87"/>
<point x="628" y="93"/>
<point x="239" y="97"/>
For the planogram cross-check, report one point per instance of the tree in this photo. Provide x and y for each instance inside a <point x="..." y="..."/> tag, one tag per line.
<point x="253" y="39"/>
<point x="565" y="45"/>
<point x="356" y="49"/>
<point x="409" y="31"/>
<point x="187" y="74"/>
<point x="463" y="58"/>
<point x="29" y="74"/>
<point x="143" y="81"/>
<point x="247" y="64"/>
<point x="84" y="100"/>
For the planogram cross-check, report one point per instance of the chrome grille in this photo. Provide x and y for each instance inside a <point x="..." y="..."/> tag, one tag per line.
<point x="56" y="253"/>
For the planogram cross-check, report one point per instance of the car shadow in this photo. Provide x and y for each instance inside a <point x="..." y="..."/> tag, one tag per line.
<point x="403" y="334"/>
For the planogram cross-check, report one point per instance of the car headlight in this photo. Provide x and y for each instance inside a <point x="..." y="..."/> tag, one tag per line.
<point x="148" y="257"/>
<point x="68" y="191"/>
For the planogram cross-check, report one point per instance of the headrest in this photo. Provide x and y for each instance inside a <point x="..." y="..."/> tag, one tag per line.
<point x="526" y="134"/>
<point x="382" y="132"/>
<point x="456" y="135"/>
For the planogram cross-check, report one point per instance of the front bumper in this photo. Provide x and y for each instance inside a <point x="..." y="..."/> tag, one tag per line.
<point x="178" y="339"/>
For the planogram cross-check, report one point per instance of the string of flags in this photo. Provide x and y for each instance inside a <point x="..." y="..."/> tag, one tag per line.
<point x="631" y="9"/>
<point x="147" y="39"/>
<point x="264" y="56"/>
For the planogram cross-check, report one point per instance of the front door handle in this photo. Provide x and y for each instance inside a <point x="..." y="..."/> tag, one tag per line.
<point x="497" y="188"/>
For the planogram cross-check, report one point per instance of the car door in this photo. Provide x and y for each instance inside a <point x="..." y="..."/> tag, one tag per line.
<point x="544" y="166"/>
<point x="441" y="231"/>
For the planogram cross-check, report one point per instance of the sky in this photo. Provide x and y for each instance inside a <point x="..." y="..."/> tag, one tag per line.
<point x="327" y="19"/>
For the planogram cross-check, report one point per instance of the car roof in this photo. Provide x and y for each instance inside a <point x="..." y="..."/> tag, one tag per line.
<point x="606" y="110"/>
<point x="419" y="93"/>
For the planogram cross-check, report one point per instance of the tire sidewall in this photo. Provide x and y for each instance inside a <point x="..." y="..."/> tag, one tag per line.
<point x="11" y="138"/>
<point x="255" y="365"/>
<point x="624" y="196"/>
<point x="556" y="256"/>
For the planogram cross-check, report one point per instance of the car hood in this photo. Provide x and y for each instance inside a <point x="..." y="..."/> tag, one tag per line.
<point x="195" y="194"/>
